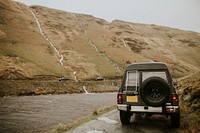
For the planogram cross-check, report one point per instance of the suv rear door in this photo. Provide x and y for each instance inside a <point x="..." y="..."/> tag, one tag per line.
<point x="131" y="87"/>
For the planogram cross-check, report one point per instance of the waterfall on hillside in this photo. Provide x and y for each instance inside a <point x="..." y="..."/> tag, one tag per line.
<point x="52" y="45"/>
<point x="104" y="56"/>
<point x="126" y="45"/>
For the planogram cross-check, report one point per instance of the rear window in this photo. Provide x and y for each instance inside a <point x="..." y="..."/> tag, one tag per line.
<point x="132" y="78"/>
<point x="132" y="81"/>
<point x="146" y="75"/>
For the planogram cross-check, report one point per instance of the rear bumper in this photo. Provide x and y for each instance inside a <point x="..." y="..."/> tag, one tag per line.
<point x="148" y="109"/>
<point x="172" y="109"/>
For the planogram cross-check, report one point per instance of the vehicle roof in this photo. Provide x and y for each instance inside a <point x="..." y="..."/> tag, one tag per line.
<point x="147" y="66"/>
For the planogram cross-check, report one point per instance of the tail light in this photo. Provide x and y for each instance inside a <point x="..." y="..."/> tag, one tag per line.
<point x="119" y="99"/>
<point x="174" y="98"/>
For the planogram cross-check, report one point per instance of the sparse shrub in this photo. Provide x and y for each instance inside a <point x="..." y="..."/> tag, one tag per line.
<point x="95" y="112"/>
<point x="100" y="22"/>
<point x="195" y="94"/>
<point x="192" y="44"/>
<point x="13" y="42"/>
<point x="11" y="55"/>
<point x="118" y="33"/>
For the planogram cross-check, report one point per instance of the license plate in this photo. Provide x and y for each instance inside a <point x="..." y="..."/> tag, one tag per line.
<point x="132" y="99"/>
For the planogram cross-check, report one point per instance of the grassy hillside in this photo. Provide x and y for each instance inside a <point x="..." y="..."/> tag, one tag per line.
<point x="117" y="44"/>
<point x="23" y="50"/>
<point x="189" y="91"/>
<point x="91" y="47"/>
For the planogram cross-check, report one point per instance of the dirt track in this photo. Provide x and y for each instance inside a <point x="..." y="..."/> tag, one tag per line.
<point x="34" y="114"/>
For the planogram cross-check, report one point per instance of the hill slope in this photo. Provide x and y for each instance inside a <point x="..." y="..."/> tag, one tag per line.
<point x="91" y="47"/>
<point x="189" y="91"/>
<point x="24" y="52"/>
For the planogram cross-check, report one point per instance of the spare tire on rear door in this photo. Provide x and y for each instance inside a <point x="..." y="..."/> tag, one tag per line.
<point x="155" y="91"/>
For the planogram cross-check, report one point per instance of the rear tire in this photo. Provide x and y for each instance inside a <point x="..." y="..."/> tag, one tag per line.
<point x="125" y="117"/>
<point x="175" y="120"/>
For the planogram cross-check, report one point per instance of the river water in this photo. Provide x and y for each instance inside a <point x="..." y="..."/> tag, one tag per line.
<point x="35" y="114"/>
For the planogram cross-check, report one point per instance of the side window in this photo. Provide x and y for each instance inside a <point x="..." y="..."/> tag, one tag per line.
<point x="146" y="75"/>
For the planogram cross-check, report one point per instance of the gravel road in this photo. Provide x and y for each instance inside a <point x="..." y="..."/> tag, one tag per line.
<point x="35" y="114"/>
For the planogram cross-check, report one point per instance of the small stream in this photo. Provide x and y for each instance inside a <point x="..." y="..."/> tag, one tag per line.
<point x="61" y="57"/>
<point x="52" y="45"/>
<point x="75" y="77"/>
<point x="102" y="54"/>
<point x="126" y="45"/>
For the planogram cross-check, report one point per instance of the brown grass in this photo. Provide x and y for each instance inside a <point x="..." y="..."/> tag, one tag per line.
<point x="24" y="52"/>
<point x="189" y="119"/>
<point x="63" y="128"/>
<point x="49" y="86"/>
<point x="190" y="107"/>
<point x="23" y="48"/>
